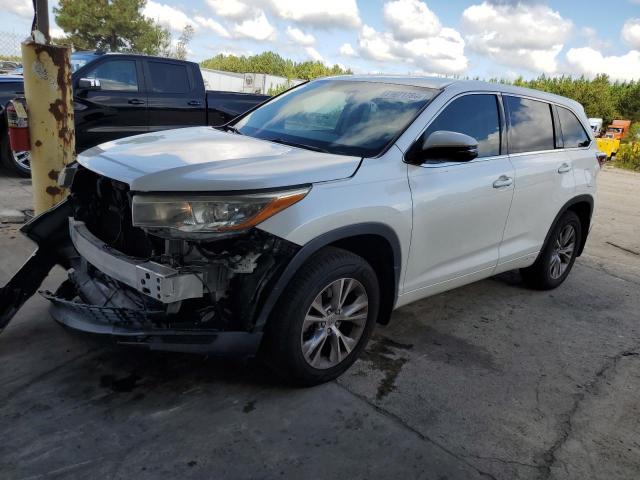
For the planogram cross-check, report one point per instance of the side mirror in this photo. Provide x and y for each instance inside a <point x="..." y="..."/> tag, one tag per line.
<point x="89" y="84"/>
<point x="444" y="145"/>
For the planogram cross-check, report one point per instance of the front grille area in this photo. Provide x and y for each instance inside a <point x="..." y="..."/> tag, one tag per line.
<point x="105" y="207"/>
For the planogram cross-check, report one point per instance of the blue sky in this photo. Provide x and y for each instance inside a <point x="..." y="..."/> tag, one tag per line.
<point x="490" y="38"/>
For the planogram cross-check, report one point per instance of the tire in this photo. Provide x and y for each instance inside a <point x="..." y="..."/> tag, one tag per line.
<point x="555" y="261"/>
<point x="296" y="325"/>
<point x="10" y="162"/>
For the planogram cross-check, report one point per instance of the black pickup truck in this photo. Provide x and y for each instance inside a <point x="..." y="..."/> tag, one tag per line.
<point x="118" y="95"/>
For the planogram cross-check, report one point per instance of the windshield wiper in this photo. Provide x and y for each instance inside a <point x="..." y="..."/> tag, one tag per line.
<point x="300" y="145"/>
<point x="233" y="129"/>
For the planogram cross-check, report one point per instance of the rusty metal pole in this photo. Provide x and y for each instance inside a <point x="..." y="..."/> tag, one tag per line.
<point x="47" y="88"/>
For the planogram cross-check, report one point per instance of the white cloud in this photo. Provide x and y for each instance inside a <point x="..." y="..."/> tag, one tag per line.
<point x="314" y="54"/>
<point x="325" y="13"/>
<point x="347" y="50"/>
<point x="631" y="32"/>
<point x="441" y="53"/>
<point x="416" y="40"/>
<point x="168" y="16"/>
<point x="299" y="37"/>
<point x="257" y="28"/>
<point x="212" y="25"/>
<point x="56" y="32"/>
<point x="22" y="8"/>
<point x="590" y="62"/>
<point x="590" y="34"/>
<point x="322" y="14"/>
<point x="523" y="35"/>
<point x="411" y="19"/>
<point x="374" y="45"/>
<point x="233" y="9"/>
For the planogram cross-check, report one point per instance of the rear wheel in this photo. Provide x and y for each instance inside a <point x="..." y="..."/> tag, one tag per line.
<point x="324" y="319"/>
<point x="558" y="255"/>
<point x="16" y="162"/>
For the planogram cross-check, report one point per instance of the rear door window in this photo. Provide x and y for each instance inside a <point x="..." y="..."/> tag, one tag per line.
<point x="530" y="125"/>
<point x="573" y="132"/>
<point x="473" y="115"/>
<point x="169" y="77"/>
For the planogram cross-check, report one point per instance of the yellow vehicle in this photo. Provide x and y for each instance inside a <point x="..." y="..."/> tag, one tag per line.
<point x="608" y="145"/>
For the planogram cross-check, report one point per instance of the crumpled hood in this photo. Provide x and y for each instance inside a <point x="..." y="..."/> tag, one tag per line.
<point x="208" y="160"/>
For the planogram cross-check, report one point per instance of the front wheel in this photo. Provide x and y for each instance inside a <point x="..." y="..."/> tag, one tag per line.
<point x="324" y="318"/>
<point x="557" y="256"/>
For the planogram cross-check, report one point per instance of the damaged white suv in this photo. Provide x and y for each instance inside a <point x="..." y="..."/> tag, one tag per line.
<point x="293" y="230"/>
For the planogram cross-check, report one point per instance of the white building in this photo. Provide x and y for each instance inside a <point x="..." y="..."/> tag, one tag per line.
<point x="244" y="82"/>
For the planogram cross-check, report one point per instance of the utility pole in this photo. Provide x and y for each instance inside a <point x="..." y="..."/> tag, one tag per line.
<point x="47" y="88"/>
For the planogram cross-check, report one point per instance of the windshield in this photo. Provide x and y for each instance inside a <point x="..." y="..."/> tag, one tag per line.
<point x="79" y="60"/>
<point x="338" y="116"/>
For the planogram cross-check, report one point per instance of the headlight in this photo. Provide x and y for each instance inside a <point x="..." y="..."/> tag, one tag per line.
<point x="208" y="214"/>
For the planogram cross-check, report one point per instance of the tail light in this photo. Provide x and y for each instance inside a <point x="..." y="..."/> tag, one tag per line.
<point x="602" y="158"/>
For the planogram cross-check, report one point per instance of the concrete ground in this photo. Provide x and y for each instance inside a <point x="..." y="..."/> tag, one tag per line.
<point x="488" y="381"/>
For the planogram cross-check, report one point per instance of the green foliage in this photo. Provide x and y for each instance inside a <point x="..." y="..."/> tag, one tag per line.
<point x="600" y="97"/>
<point x="628" y="156"/>
<point x="273" y="91"/>
<point x="11" y="58"/>
<point x="166" y="48"/>
<point x="273" y="64"/>
<point x="114" y="25"/>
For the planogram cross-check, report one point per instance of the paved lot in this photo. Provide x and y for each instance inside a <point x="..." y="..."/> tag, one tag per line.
<point x="488" y="381"/>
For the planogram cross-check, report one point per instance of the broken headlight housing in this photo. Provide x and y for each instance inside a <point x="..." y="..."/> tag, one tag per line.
<point x="196" y="215"/>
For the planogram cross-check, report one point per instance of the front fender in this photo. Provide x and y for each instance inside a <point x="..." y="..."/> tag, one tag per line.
<point x="311" y="247"/>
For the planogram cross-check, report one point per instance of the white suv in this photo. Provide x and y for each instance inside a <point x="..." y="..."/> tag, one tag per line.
<point x="293" y="230"/>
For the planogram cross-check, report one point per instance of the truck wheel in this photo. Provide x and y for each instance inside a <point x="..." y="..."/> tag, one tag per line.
<point x="16" y="162"/>
<point x="324" y="319"/>
<point x="558" y="255"/>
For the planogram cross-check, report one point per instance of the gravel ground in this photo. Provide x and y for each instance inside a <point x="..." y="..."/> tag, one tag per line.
<point x="488" y="381"/>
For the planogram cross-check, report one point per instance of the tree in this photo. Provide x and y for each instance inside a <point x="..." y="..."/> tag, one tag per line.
<point x="183" y="42"/>
<point x="273" y="64"/>
<point x="180" y="50"/>
<point x="114" y="25"/>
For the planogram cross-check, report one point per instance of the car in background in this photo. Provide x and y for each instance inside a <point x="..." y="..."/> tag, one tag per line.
<point x="618" y="129"/>
<point x="11" y="86"/>
<point x="596" y="126"/>
<point x="119" y="95"/>
<point x="7" y="66"/>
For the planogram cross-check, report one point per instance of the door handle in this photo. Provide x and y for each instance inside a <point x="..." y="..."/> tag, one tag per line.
<point x="503" y="181"/>
<point x="564" y="168"/>
<point x="136" y="101"/>
<point x="194" y="102"/>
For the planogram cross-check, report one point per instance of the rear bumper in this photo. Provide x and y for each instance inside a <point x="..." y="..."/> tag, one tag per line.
<point x="135" y="328"/>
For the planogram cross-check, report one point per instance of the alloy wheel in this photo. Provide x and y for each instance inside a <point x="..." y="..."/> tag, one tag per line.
<point x="562" y="253"/>
<point x="22" y="159"/>
<point x="334" y="323"/>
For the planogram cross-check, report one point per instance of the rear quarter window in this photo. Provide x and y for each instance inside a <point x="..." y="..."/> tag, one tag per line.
<point x="573" y="132"/>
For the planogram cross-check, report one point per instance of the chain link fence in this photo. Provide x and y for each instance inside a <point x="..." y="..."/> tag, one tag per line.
<point x="10" y="43"/>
